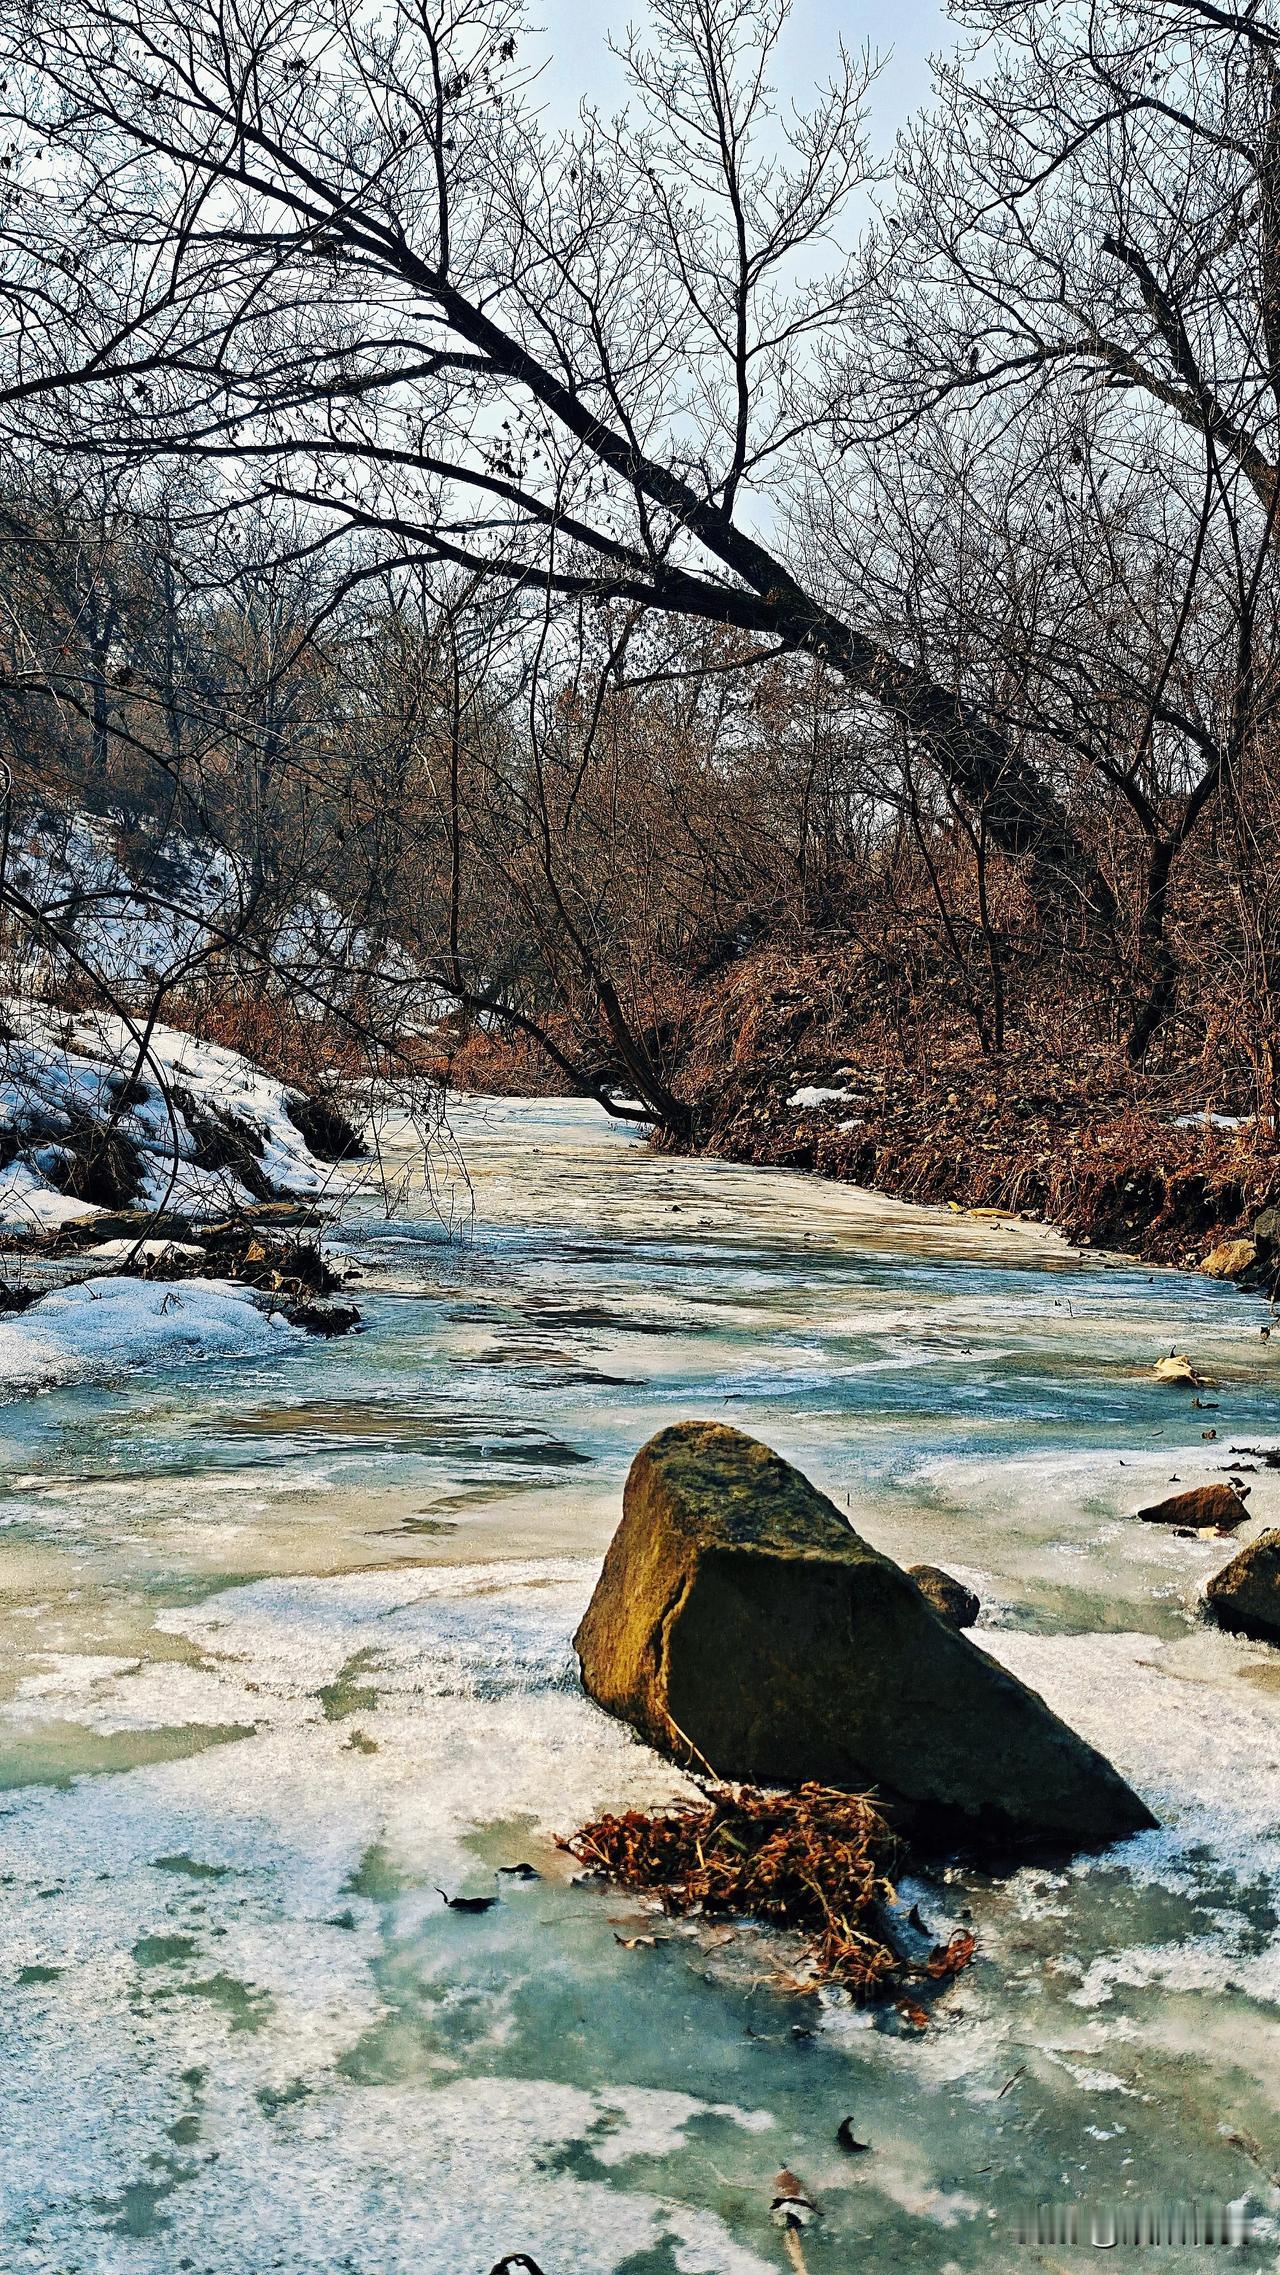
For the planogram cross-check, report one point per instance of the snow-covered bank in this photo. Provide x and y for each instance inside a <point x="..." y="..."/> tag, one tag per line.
<point x="135" y="930"/>
<point x="138" y="912"/>
<point x="103" y="1327"/>
<point x="90" y="1116"/>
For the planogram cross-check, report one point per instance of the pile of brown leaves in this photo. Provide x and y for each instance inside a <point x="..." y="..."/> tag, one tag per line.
<point x="815" y="1859"/>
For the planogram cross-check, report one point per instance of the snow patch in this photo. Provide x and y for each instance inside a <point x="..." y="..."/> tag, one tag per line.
<point x="1215" y="1121"/>
<point x="137" y="916"/>
<point x="814" y="1095"/>
<point x="103" y="1326"/>
<point x="28" y="1204"/>
<point x="61" y="1078"/>
<point x="137" y="932"/>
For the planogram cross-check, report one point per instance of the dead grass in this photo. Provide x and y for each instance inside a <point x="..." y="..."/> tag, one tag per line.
<point x="815" y="1860"/>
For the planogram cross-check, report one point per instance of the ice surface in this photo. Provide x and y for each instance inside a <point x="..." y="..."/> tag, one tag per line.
<point x="242" y="2027"/>
<point x="259" y="1844"/>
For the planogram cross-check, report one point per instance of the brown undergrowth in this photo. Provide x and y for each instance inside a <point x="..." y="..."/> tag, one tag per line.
<point x="1107" y="1173"/>
<point x="1164" y="1161"/>
<point x="815" y="1859"/>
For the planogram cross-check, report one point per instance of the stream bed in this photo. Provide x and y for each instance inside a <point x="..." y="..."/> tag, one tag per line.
<point x="286" y="1652"/>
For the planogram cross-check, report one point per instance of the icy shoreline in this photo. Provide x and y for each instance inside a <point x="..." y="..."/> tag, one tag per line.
<point x="110" y="1325"/>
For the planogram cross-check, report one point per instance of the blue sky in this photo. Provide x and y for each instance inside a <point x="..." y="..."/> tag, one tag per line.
<point x="577" y="31"/>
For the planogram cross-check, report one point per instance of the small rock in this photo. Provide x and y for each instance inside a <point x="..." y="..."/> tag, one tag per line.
<point x="1244" y="1597"/>
<point x="957" y="1604"/>
<point x="1203" y="1505"/>
<point x="1229" y="1259"/>
<point x="1266" y="1233"/>
<point x="325" y="1318"/>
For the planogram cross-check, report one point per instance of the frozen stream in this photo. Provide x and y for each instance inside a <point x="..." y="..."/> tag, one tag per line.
<point x="286" y="1649"/>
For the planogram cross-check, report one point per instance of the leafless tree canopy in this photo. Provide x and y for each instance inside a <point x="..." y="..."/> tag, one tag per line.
<point x="583" y="555"/>
<point x="335" y="251"/>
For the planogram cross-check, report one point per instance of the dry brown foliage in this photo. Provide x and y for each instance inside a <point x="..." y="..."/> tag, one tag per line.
<point x="814" y="1859"/>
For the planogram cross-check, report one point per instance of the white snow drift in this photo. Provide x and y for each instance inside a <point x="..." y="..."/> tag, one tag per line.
<point x="105" y="1327"/>
<point x="58" y="1072"/>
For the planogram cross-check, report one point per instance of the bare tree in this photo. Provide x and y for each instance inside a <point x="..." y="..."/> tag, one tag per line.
<point x="1083" y="331"/>
<point x="336" y="254"/>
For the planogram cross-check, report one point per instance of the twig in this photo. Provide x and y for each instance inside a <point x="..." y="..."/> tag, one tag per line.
<point x="795" y="2250"/>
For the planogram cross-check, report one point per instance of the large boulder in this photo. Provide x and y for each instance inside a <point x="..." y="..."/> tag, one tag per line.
<point x="739" y="1622"/>
<point x="1244" y="1597"/>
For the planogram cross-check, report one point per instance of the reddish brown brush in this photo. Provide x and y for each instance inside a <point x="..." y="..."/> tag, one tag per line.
<point x="815" y="1859"/>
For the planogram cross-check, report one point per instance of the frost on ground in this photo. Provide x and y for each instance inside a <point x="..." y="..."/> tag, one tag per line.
<point x="93" y="1116"/>
<point x="103" y="1327"/>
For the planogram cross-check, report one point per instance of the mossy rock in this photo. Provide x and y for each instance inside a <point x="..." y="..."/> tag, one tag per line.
<point x="1244" y="1597"/>
<point x="739" y="1622"/>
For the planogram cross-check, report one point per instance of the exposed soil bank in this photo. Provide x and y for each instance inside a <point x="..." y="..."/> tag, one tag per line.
<point x="1107" y="1173"/>
<point x="1110" y="1158"/>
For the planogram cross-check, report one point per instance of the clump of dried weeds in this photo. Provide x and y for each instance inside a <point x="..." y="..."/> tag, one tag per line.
<point x="813" y="1859"/>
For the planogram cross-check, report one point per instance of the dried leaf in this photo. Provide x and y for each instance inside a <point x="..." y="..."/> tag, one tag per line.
<point x="949" y="1958"/>
<point x="815" y="1859"/>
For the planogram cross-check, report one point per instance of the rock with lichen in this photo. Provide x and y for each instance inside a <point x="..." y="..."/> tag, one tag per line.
<point x="740" y="1623"/>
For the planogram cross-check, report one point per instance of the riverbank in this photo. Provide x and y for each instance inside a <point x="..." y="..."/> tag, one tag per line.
<point x="1166" y="1165"/>
<point x="1107" y="1172"/>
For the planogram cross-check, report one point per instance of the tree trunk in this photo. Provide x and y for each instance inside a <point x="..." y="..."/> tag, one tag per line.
<point x="1157" y="974"/>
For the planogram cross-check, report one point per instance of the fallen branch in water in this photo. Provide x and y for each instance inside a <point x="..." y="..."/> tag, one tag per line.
<point x="815" y="1859"/>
